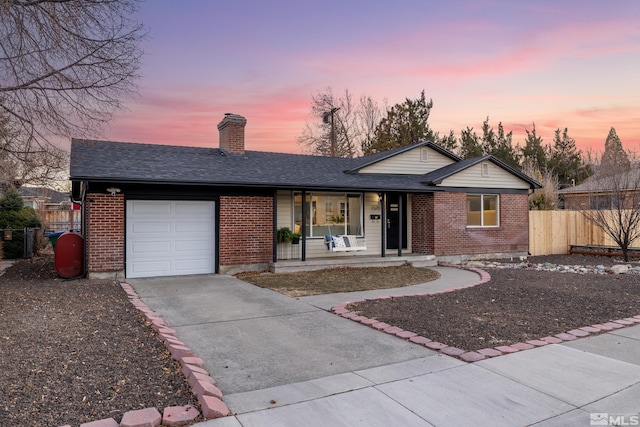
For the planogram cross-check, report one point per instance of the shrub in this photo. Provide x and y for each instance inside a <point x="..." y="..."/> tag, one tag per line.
<point x="14" y="215"/>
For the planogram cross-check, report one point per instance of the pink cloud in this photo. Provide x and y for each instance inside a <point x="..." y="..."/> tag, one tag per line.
<point x="190" y="117"/>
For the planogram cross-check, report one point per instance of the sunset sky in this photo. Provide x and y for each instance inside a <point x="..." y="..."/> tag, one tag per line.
<point x="573" y="64"/>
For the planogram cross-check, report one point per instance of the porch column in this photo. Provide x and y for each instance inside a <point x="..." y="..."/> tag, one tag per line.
<point x="400" y="224"/>
<point x="383" y="222"/>
<point x="275" y="225"/>
<point x="303" y="227"/>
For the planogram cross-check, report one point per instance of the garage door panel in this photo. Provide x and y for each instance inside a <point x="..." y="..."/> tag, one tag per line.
<point x="194" y="208"/>
<point x="192" y="266"/>
<point x="151" y="208"/>
<point x="192" y="245"/>
<point x="167" y="238"/>
<point x="150" y="227"/>
<point x="151" y="268"/>
<point x="154" y="247"/>
<point x="193" y="227"/>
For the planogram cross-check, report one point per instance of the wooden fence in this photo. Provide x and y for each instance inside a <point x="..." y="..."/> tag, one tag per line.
<point x="551" y="232"/>
<point x="60" y="220"/>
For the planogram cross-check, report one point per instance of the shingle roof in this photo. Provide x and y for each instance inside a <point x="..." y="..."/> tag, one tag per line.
<point x="629" y="180"/>
<point x="52" y="196"/>
<point x="109" y="161"/>
<point x="133" y="162"/>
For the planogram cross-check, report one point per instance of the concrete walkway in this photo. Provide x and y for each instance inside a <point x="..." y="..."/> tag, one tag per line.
<point x="288" y="362"/>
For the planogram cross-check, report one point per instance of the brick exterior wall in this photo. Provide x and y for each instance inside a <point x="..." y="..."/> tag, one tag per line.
<point x="246" y="230"/>
<point x="105" y="233"/>
<point x="422" y="218"/>
<point x="576" y="201"/>
<point x="447" y="234"/>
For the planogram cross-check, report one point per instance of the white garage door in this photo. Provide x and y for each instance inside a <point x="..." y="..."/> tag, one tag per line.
<point x="170" y="238"/>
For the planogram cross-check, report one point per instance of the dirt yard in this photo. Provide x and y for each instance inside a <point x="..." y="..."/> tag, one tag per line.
<point x="77" y="351"/>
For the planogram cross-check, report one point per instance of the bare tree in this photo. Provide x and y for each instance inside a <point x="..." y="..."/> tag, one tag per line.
<point x="370" y="114"/>
<point x="545" y="198"/>
<point x="614" y="204"/>
<point x="65" y="67"/>
<point x="353" y="126"/>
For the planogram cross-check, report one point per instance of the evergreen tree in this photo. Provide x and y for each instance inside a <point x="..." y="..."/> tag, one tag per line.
<point x="533" y="152"/>
<point x="448" y="142"/>
<point x="614" y="159"/>
<point x="14" y="215"/>
<point x="499" y="145"/>
<point x="469" y="144"/>
<point x="405" y="124"/>
<point x="565" y="160"/>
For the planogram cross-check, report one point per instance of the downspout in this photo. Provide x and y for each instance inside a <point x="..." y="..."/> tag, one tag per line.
<point x="83" y="230"/>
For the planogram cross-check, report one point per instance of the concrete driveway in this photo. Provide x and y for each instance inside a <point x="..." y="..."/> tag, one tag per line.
<point x="253" y="338"/>
<point x="286" y="362"/>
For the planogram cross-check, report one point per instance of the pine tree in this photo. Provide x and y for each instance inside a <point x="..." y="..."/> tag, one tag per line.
<point x="405" y="124"/>
<point x="469" y="144"/>
<point x="533" y="152"/>
<point x="448" y="142"/>
<point x="565" y="160"/>
<point x="614" y="159"/>
<point x="499" y="145"/>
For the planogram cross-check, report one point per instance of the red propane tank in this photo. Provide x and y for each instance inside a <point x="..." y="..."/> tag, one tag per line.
<point x="69" y="255"/>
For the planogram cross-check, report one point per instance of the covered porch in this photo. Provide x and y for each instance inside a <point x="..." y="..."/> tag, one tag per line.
<point x="374" y="225"/>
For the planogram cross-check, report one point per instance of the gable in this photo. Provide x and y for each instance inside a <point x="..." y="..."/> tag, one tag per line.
<point x="417" y="161"/>
<point x="485" y="174"/>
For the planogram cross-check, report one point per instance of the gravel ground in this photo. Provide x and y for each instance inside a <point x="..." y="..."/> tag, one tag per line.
<point x="515" y="306"/>
<point x="72" y="352"/>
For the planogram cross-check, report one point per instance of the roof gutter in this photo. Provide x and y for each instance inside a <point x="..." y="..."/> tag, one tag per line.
<point x="427" y="189"/>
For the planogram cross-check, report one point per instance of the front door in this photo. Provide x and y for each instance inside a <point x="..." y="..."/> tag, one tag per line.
<point x="396" y="205"/>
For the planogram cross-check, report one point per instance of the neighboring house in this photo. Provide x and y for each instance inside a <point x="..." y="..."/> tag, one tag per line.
<point x="42" y="198"/>
<point x="55" y="209"/>
<point x="158" y="210"/>
<point x="603" y="192"/>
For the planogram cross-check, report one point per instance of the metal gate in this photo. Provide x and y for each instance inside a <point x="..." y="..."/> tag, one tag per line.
<point x="18" y="242"/>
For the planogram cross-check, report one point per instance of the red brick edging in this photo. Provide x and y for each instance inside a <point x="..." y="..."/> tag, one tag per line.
<point x="474" y="356"/>
<point x="202" y="385"/>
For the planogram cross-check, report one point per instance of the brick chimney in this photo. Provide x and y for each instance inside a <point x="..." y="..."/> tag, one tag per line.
<point x="231" y="130"/>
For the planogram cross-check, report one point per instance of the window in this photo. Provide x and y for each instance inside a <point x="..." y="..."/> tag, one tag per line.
<point x="329" y="213"/>
<point x="482" y="210"/>
<point x="605" y="201"/>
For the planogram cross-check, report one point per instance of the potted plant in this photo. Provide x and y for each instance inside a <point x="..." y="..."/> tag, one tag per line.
<point x="285" y="235"/>
<point x="295" y="238"/>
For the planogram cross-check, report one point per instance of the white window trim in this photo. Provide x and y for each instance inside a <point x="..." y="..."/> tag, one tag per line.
<point x="309" y="210"/>
<point x="482" y="211"/>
